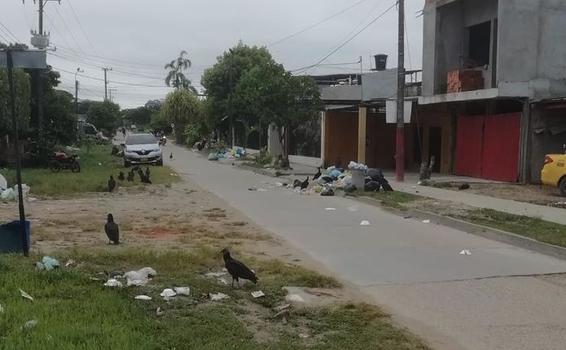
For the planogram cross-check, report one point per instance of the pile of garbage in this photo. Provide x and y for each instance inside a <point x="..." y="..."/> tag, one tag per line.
<point x="10" y="194"/>
<point x="357" y="177"/>
<point x="229" y="154"/>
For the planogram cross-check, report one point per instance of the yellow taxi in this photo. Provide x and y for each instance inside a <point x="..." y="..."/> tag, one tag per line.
<point x="554" y="172"/>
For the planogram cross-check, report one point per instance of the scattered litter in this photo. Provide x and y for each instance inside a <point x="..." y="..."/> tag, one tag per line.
<point x="30" y="324"/>
<point x="294" y="298"/>
<point x="352" y="209"/>
<point x="186" y="291"/>
<point x="3" y="183"/>
<point x="26" y="295"/>
<point x="99" y="164"/>
<point x="357" y="166"/>
<point x="407" y="217"/>
<point x="159" y="312"/>
<point x="95" y="279"/>
<point x="330" y="209"/>
<point x="279" y="184"/>
<point x="426" y="221"/>
<point x="365" y="223"/>
<point x="327" y="191"/>
<point x="70" y="262"/>
<point x="281" y="308"/>
<point x="224" y="282"/>
<point x="303" y="335"/>
<point x="261" y="190"/>
<point x="1" y="309"/>
<point x="215" y="274"/>
<point x="217" y="296"/>
<point x="142" y="297"/>
<point x="168" y="293"/>
<point x="252" y="189"/>
<point x="258" y="294"/>
<point x="113" y="283"/>
<point x="465" y="252"/>
<point x="140" y="277"/>
<point x="47" y="263"/>
<point x="32" y="199"/>
<point x="11" y="194"/>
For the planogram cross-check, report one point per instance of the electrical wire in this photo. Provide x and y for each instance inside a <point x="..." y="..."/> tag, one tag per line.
<point x="81" y="25"/>
<point x="312" y="26"/>
<point x="113" y="82"/>
<point x="304" y="69"/>
<point x="68" y="29"/>
<point x="9" y="33"/>
<point x="408" y="45"/>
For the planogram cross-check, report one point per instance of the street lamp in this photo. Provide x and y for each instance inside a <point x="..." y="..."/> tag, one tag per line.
<point x="79" y="70"/>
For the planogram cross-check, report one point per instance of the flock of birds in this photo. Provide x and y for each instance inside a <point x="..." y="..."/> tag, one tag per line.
<point x="237" y="269"/>
<point x="144" y="177"/>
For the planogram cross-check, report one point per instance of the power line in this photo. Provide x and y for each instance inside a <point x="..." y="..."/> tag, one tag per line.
<point x="306" y="29"/>
<point x="304" y="69"/>
<point x="9" y="33"/>
<point x="48" y="18"/>
<point x="68" y="29"/>
<point x="80" y="25"/>
<point x="113" y="82"/>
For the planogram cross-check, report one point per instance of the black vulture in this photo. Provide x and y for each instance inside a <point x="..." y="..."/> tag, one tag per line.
<point x="131" y="176"/>
<point x="305" y="184"/>
<point x="317" y="175"/>
<point x="237" y="269"/>
<point x="112" y="230"/>
<point x="171" y="155"/>
<point x="464" y="186"/>
<point x="297" y="183"/>
<point x="111" y="184"/>
<point x="147" y="172"/>
<point x="121" y="176"/>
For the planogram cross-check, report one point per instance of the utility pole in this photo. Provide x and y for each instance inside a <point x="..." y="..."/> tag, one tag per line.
<point x="400" y="153"/>
<point x="106" y="69"/>
<point x="79" y="70"/>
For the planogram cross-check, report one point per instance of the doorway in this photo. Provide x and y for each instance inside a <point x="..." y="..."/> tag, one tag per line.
<point x="435" y="147"/>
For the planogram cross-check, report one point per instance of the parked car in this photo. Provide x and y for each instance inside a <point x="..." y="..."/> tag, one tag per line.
<point x="142" y="149"/>
<point x="554" y="172"/>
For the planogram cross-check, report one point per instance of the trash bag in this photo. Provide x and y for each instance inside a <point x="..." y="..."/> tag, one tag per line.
<point x="357" y="166"/>
<point x="327" y="192"/>
<point x="334" y="174"/>
<point x="140" y="277"/>
<point x="8" y="195"/>
<point x="350" y="188"/>
<point x="212" y="156"/>
<point x="372" y="186"/>
<point x="47" y="263"/>
<point x="3" y="183"/>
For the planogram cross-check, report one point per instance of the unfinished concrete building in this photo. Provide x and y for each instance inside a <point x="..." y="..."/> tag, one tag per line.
<point x="495" y="72"/>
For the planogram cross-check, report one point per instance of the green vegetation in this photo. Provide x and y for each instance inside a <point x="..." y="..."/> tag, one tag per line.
<point x="74" y="312"/>
<point x="395" y="200"/>
<point x="181" y="108"/>
<point x="534" y="228"/>
<point x="92" y="178"/>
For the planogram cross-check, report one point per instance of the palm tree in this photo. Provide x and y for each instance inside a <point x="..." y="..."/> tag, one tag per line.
<point x="176" y="78"/>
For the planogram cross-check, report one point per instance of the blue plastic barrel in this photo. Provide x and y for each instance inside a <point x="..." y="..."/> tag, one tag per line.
<point x="11" y="239"/>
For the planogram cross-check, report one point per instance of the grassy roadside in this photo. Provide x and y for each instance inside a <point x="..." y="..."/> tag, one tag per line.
<point x="74" y="312"/>
<point x="96" y="166"/>
<point x="535" y="228"/>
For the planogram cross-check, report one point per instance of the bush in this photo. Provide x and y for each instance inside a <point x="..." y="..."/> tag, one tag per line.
<point x="264" y="157"/>
<point x="195" y="132"/>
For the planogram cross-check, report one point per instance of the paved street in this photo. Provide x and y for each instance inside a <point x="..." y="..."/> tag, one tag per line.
<point x="500" y="297"/>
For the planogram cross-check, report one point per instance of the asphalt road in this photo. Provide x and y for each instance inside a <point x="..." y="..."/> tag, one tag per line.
<point x="499" y="297"/>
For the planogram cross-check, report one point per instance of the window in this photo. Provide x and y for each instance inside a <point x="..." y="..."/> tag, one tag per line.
<point x="479" y="44"/>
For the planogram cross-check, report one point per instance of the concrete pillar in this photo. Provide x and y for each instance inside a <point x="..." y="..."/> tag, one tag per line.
<point x="323" y="137"/>
<point x="525" y="144"/>
<point x="362" y="134"/>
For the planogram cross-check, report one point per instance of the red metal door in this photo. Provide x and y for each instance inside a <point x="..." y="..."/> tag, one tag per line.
<point x="469" y="144"/>
<point x="501" y="147"/>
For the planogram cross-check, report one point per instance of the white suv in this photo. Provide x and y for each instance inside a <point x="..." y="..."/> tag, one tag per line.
<point x="142" y="149"/>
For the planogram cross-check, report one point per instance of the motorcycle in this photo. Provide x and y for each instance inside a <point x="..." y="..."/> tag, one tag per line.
<point x="163" y="141"/>
<point x="62" y="161"/>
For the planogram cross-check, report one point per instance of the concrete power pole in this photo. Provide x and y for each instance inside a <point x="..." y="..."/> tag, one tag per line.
<point x="400" y="154"/>
<point x="106" y="69"/>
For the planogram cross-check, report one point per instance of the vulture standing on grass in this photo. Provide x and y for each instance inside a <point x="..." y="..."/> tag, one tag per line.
<point x="111" y="184"/>
<point x="237" y="269"/>
<point x="121" y="176"/>
<point x="112" y="230"/>
<point x="131" y="176"/>
<point x="147" y="172"/>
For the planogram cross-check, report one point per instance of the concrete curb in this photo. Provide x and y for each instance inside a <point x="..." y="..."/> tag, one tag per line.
<point x="479" y="230"/>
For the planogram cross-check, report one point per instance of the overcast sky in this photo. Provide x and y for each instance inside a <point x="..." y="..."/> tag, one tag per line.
<point x="137" y="37"/>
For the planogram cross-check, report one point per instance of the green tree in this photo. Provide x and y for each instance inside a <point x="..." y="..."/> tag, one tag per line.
<point x="181" y="108"/>
<point x="60" y="119"/>
<point x="140" y="116"/>
<point x="22" y="88"/>
<point x="176" y="77"/>
<point x="221" y="81"/>
<point x="105" y="116"/>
